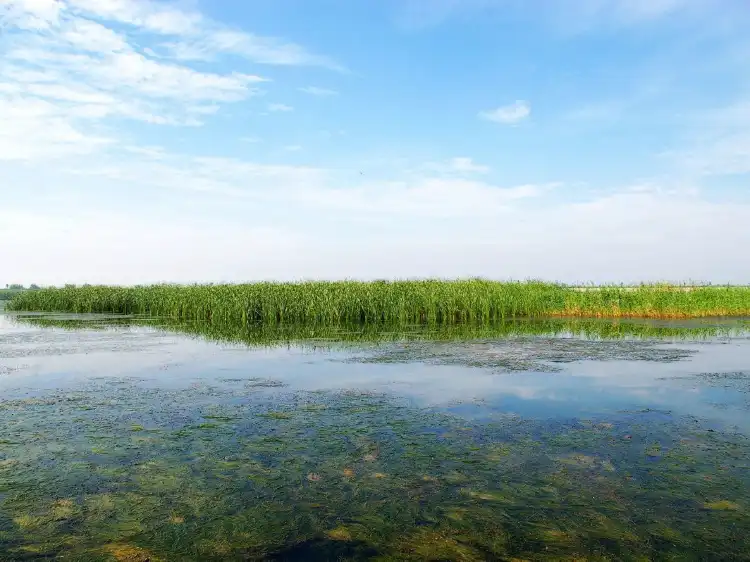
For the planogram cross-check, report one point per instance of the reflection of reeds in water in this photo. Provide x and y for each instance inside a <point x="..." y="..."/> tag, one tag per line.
<point x="419" y="301"/>
<point x="333" y="335"/>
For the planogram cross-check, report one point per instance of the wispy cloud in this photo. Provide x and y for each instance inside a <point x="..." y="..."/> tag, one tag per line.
<point x="464" y="164"/>
<point x="717" y="142"/>
<point x="262" y="50"/>
<point x="187" y="34"/>
<point x="724" y="155"/>
<point x="151" y="152"/>
<point x="321" y="92"/>
<point x="279" y="107"/>
<point x="224" y="179"/>
<point x="508" y="114"/>
<point x="67" y="67"/>
<point x="34" y="129"/>
<point x="460" y="165"/>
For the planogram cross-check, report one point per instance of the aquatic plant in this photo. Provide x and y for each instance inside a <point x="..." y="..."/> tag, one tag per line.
<point x="416" y="301"/>
<point x="253" y="486"/>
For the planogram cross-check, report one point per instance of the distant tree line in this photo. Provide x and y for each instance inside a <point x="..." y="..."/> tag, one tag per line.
<point x="13" y="288"/>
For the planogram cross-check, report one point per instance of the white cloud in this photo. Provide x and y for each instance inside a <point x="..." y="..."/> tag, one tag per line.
<point x="94" y="37"/>
<point x="139" y="75"/>
<point x="279" y="107"/>
<point x="36" y="129"/>
<point x="30" y="14"/>
<point x="264" y="50"/>
<point x="463" y="164"/>
<point x="193" y="36"/>
<point x="198" y="37"/>
<point x="320" y="92"/>
<point x="69" y="65"/>
<point x="508" y="114"/>
<point x="458" y="166"/>
<point x="152" y="152"/>
<point x="133" y="70"/>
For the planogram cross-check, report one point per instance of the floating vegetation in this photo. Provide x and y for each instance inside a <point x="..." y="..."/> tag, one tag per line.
<point x="520" y="354"/>
<point x="422" y="301"/>
<point x="257" y="382"/>
<point x="356" y="475"/>
<point x="19" y="345"/>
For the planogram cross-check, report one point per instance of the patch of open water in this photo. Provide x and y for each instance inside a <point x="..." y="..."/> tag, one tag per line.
<point x="120" y="441"/>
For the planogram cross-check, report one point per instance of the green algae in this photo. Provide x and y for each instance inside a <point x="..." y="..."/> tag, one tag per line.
<point x="361" y="476"/>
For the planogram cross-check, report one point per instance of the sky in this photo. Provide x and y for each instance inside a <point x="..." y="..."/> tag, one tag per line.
<point x="236" y="140"/>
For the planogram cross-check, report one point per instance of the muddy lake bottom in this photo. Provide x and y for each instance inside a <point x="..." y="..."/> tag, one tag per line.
<point x="128" y="442"/>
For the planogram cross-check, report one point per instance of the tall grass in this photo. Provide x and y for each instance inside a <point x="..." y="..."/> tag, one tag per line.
<point x="425" y="301"/>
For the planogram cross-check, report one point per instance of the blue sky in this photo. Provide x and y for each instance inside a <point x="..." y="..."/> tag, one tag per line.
<point x="596" y="140"/>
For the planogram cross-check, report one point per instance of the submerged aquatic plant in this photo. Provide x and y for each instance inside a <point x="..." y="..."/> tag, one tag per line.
<point x="420" y="301"/>
<point x="255" y="487"/>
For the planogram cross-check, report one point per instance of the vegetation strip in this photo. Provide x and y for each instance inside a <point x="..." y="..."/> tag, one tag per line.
<point x="418" y="301"/>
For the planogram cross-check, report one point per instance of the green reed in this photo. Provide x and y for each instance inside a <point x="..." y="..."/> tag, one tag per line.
<point x="417" y="301"/>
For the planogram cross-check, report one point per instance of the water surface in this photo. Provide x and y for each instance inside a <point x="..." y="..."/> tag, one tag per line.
<point x="133" y="439"/>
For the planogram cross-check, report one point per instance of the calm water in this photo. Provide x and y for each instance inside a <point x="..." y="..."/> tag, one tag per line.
<point x="120" y="440"/>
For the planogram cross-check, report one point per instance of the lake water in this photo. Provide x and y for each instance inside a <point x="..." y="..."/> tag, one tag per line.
<point x="124" y="439"/>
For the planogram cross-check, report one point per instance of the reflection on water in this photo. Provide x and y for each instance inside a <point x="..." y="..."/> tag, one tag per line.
<point x="128" y="439"/>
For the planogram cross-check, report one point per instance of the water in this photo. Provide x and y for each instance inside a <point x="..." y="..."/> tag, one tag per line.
<point x="132" y="439"/>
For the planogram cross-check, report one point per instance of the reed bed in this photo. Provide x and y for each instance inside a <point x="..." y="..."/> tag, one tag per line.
<point x="421" y="301"/>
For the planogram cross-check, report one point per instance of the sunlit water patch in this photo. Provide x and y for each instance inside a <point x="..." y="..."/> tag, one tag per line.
<point x="120" y="441"/>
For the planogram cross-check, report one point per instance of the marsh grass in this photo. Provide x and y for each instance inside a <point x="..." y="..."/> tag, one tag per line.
<point x="378" y="302"/>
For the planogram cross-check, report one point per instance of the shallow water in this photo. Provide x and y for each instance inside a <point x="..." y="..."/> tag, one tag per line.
<point x="122" y="440"/>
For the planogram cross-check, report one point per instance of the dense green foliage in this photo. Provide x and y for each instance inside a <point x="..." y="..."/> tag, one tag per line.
<point x="395" y="301"/>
